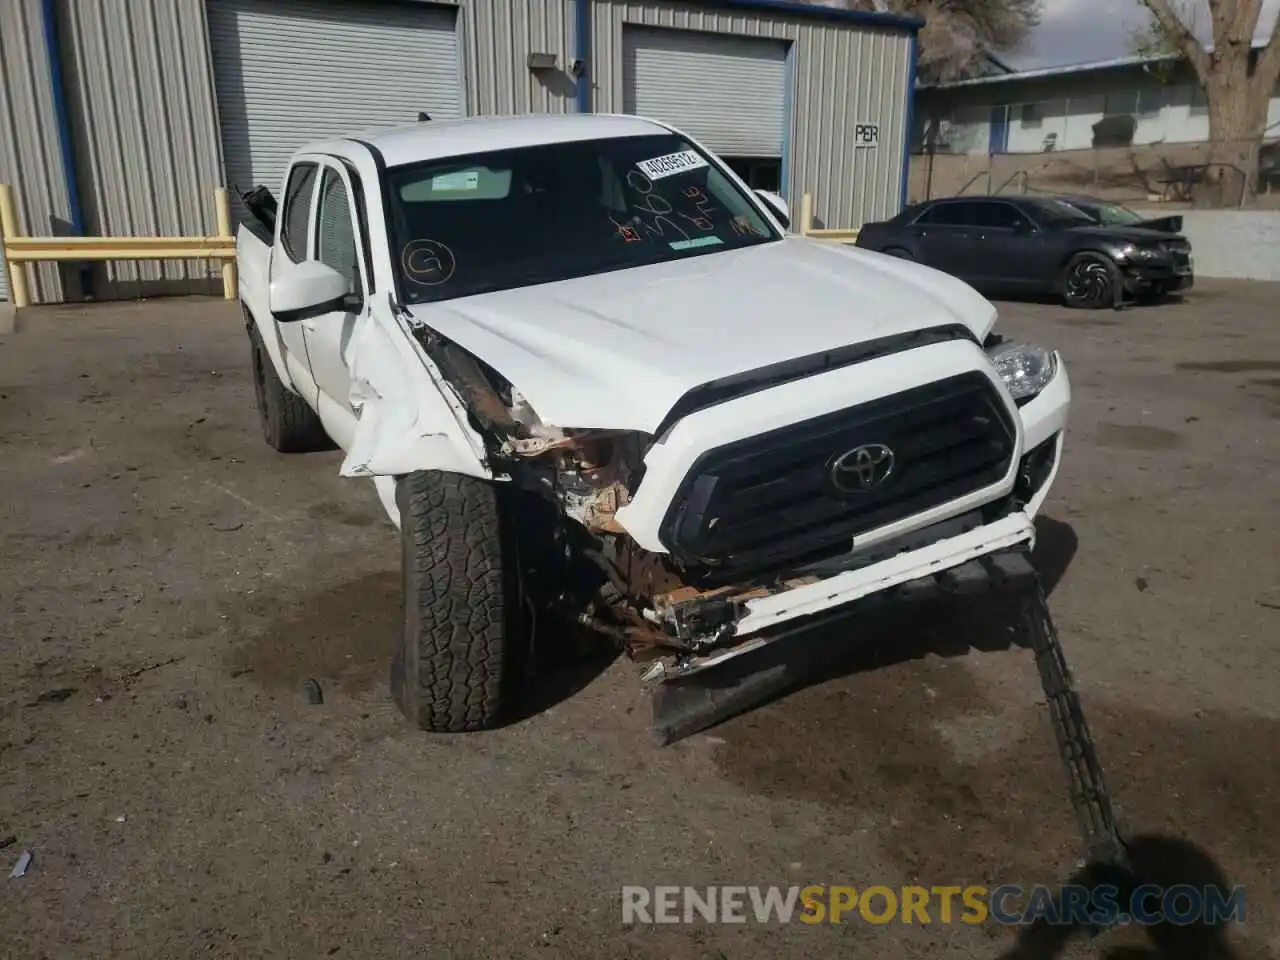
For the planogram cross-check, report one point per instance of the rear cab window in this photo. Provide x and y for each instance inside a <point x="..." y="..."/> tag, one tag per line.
<point x="512" y="218"/>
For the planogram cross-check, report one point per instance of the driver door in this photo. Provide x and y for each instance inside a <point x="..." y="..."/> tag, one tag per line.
<point x="336" y="242"/>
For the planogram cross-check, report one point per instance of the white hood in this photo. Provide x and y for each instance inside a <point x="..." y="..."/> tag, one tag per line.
<point x="617" y="350"/>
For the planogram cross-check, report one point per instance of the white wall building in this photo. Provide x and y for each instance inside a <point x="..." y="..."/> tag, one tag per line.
<point x="1036" y="111"/>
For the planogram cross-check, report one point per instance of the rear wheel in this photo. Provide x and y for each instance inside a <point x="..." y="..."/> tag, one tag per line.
<point x="288" y="424"/>
<point x="462" y="654"/>
<point x="1091" y="281"/>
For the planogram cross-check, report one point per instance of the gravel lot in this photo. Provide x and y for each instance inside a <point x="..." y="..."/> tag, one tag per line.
<point x="169" y="584"/>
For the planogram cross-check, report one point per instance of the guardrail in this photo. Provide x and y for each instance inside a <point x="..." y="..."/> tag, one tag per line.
<point x="18" y="251"/>
<point x="807" y="228"/>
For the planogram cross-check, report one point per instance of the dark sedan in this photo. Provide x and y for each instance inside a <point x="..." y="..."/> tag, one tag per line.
<point x="1034" y="245"/>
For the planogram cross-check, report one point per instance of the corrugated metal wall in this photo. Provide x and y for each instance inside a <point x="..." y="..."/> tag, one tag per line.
<point x="140" y="92"/>
<point x="142" y="104"/>
<point x="499" y="36"/>
<point x="843" y="74"/>
<point x="30" y="155"/>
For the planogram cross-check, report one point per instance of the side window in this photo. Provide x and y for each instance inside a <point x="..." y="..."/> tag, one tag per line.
<point x="1002" y="215"/>
<point x="336" y="244"/>
<point x="296" y="216"/>
<point x="951" y="215"/>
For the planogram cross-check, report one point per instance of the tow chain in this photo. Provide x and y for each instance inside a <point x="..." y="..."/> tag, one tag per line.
<point x="1102" y="844"/>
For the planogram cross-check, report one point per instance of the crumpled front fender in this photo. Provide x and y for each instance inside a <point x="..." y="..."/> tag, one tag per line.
<point x="408" y="417"/>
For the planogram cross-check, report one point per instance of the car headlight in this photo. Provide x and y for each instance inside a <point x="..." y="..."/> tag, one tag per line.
<point x="1025" y="368"/>
<point x="1131" y="251"/>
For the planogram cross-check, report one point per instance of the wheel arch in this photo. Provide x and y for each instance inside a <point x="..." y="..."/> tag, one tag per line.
<point x="1073" y="252"/>
<point x="272" y="344"/>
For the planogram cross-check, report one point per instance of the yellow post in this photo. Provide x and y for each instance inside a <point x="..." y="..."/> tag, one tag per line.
<point x="806" y="213"/>
<point x="9" y="229"/>
<point x="223" y="208"/>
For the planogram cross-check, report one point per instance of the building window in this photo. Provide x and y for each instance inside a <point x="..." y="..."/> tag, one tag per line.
<point x="1199" y="102"/>
<point x="1125" y="102"/>
<point x="1150" y="102"/>
<point x="759" y="173"/>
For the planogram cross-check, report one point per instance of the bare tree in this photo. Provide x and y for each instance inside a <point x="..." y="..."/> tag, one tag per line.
<point x="1237" y="79"/>
<point x="958" y="33"/>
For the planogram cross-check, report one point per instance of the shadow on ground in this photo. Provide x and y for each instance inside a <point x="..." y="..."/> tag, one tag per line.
<point x="1160" y="861"/>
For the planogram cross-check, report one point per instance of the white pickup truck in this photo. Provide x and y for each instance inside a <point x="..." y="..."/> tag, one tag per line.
<point x="589" y="372"/>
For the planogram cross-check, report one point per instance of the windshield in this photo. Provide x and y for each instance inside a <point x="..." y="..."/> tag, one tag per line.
<point x="1108" y="214"/>
<point x="510" y="218"/>
<point x="1058" y="213"/>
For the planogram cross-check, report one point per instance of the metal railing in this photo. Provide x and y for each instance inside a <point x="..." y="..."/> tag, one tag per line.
<point x="18" y="250"/>
<point x="807" y="229"/>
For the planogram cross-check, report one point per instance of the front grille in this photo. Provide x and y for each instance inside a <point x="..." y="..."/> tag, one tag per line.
<point x="770" y="501"/>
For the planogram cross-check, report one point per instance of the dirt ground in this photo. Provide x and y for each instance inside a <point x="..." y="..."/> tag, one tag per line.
<point x="169" y="584"/>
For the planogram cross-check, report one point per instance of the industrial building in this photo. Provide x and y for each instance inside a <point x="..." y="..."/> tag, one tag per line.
<point x="121" y="117"/>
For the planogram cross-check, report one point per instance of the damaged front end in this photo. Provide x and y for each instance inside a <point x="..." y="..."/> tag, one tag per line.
<point x="579" y="558"/>
<point x="746" y="552"/>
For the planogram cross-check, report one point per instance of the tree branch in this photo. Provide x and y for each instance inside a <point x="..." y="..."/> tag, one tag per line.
<point x="1180" y="35"/>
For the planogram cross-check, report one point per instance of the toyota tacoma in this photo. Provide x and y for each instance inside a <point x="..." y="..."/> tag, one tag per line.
<point x="591" y="373"/>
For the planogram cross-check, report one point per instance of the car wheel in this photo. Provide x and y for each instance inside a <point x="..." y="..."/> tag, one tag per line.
<point x="461" y="656"/>
<point x="288" y="424"/>
<point x="898" y="252"/>
<point x="1090" y="281"/>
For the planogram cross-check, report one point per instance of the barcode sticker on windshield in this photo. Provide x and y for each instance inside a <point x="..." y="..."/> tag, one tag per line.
<point x="670" y="165"/>
<point x="460" y="180"/>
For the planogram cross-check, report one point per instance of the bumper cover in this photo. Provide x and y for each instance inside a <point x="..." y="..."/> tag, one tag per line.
<point x="951" y="565"/>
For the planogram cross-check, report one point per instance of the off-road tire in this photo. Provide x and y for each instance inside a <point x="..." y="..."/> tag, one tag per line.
<point x="462" y="654"/>
<point x="288" y="424"/>
<point x="1091" y="281"/>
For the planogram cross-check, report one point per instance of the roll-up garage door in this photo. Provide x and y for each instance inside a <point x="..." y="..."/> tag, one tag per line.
<point x="289" y="71"/>
<point x="728" y="91"/>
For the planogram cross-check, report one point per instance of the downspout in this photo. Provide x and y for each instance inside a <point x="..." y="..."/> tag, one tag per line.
<point x="582" y="31"/>
<point x="914" y="56"/>
<point x="788" y="121"/>
<point x="53" y="50"/>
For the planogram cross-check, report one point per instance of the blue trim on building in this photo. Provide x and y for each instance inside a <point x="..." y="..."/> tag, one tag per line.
<point x="912" y="65"/>
<point x="53" y="50"/>
<point x="799" y="9"/>
<point x="788" y="96"/>
<point x="582" y="29"/>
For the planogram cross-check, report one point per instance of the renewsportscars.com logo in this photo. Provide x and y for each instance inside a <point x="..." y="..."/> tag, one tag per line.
<point x="1007" y="904"/>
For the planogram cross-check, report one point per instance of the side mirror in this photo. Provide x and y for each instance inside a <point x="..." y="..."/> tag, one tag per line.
<point x="307" y="289"/>
<point x="777" y="205"/>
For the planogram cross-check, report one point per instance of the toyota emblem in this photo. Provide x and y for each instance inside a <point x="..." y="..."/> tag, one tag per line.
<point x="862" y="469"/>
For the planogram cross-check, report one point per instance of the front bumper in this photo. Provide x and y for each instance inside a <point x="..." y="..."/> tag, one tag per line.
<point x="939" y="558"/>
<point x="1168" y="276"/>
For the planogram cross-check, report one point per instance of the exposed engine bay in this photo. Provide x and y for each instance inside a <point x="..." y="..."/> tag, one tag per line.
<point x="648" y="602"/>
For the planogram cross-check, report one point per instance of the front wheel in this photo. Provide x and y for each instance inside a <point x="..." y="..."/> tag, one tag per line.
<point x="461" y="657"/>
<point x="1091" y="281"/>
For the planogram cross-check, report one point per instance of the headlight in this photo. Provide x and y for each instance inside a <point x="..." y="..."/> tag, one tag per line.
<point x="1025" y="368"/>
<point x="1132" y="251"/>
